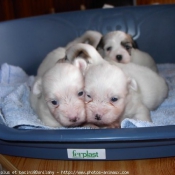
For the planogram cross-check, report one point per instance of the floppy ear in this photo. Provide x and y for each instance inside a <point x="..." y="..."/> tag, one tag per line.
<point x="100" y="44"/>
<point x="82" y="53"/>
<point x="37" y="87"/>
<point x="133" y="84"/>
<point x="134" y="44"/>
<point x="81" y="64"/>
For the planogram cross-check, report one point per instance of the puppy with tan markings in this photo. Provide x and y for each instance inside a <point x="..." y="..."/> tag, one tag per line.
<point x="119" y="46"/>
<point x="58" y="96"/>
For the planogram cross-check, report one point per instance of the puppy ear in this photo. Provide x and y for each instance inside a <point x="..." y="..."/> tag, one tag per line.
<point x="81" y="64"/>
<point x="133" y="84"/>
<point x="100" y="46"/>
<point x="37" y="87"/>
<point x="134" y="44"/>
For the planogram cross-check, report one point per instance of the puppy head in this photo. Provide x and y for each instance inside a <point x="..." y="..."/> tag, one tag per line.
<point x="61" y="88"/>
<point x="85" y="51"/>
<point x="116" y="46"/>
<point x="106" y="90"/>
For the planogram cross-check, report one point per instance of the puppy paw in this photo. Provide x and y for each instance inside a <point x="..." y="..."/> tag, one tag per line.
<point x="91" y="126"/>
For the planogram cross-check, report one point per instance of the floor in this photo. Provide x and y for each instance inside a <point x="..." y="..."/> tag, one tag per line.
<point x="19" y="165"/>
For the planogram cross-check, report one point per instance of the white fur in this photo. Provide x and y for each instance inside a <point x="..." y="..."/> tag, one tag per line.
<point x="114" y="40"/>
<point x="153" y="87"/>
<point x="90" y="37"/>
<point x="50" y="60"/>
<point x="61" y="84"/>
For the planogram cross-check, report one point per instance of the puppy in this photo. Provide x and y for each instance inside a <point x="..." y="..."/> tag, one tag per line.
<point x="89" y="37"/>
<point x="119" y="46"/>
<point x="111" y="96"/>
<point x="57" y="97"/>
<point x="50" y="60"/>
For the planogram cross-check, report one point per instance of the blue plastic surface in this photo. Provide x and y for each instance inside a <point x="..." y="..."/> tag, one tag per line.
<point x="26" y="42"/>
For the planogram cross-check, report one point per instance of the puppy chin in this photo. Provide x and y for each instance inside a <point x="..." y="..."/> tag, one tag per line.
<point x="108" y="116"/>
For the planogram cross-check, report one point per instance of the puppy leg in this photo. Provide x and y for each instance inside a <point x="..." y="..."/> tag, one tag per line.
<point x="92" y="126"/>
<point x="142" y="113"/>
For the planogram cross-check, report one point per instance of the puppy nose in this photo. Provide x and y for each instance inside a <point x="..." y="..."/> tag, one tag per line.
<point x="119" y="57"/>
<point x="98" y="117"/>
<point x="73" y="119"/>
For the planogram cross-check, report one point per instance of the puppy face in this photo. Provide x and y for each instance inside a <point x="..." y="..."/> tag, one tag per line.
<point x="106" y="88"/>
<point x="62" y="91"/>
<point x="116" y="46"/>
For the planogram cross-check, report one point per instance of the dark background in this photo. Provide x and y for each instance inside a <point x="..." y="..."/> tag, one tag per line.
<point x="13" y="9"/>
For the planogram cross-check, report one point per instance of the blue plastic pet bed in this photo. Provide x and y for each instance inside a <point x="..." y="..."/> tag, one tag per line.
<point x="23" y="45"/>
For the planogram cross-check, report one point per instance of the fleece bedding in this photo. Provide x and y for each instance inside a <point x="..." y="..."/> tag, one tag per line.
<point x="16" y="112"/>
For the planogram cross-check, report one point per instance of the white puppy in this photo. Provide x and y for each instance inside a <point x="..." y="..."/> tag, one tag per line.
<point x="50" y="60"/>
<point x="119" y="46"/>
<point x="89" y="37"/>
<point x="58" y="97"/>
<point x="111" y="96"/>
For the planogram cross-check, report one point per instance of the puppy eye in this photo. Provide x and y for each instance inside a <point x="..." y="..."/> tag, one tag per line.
<point x="88" y="96"/>
<point x="80" y="93"/>
<point x="127" y="47"/>
<point x="108" y="48"/>
<point x="54" y="102"/>
<point x="114" y="99"/>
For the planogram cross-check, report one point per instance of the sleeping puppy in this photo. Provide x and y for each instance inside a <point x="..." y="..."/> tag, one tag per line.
<point x="89" y="37"/>
<point x="58" y="97"/>
<point x="50" y="60"/>
<point x="119" y="46"/>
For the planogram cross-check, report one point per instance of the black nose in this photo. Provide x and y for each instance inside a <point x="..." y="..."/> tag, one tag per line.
<point x="73" y="119"/>
<point x="119" y="57"/>
<point x="98" y="117"/>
